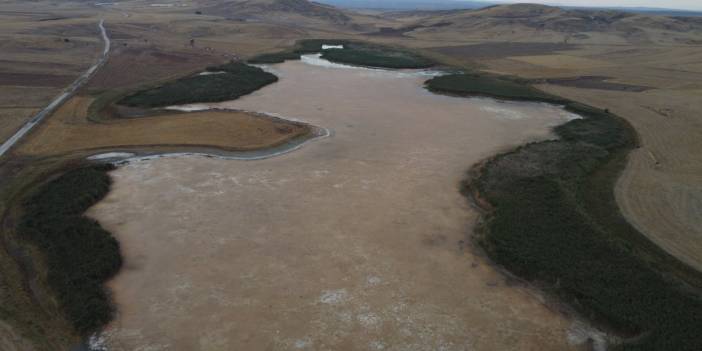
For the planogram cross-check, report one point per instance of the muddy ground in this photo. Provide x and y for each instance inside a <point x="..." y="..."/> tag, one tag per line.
<point x="354" y="242"/>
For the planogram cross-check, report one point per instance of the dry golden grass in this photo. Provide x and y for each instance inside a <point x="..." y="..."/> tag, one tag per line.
<point x="69" y="130"/>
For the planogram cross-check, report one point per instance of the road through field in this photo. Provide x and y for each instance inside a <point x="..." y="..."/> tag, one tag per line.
<point x="58" y="101"/>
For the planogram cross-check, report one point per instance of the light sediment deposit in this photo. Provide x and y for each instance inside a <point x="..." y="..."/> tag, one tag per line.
<point x="359" y="241"/>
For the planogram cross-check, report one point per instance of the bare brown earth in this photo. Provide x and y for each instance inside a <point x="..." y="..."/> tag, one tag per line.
<point x="355" y="242"/>
<point x="594" y="82"/>
<point x="501" y="49"/>
<point x="66" y="131"/>
<point x="132" y="66"/>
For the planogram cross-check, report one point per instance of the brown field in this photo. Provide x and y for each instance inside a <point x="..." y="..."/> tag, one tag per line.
<point x="501" y="49"/>
<point x="130" y="67"/>
<point x="34" y="79"/>
<point x="12" y="119"/>
<point x="37" y="64"/>
<point x="594" y="82"/>
<point x="19" y="103"/>
<point x="69" y="128"/>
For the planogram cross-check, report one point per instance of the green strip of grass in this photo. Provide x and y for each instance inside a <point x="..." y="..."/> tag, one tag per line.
<point x="553" y="221"/>
<point x="480" y="85"/>
<point x="353" y="53"/>
<point x="237" y="80"/>
<point x="80" y="254"/>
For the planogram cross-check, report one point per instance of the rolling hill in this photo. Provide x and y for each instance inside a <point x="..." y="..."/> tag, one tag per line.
<point x="540" y="23"/>
<point x="292" y="12"/>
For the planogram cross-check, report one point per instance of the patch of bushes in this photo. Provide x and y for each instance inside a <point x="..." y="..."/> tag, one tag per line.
<point x="353" y="53"/>
<point x="80" y="254"/>
<point x="479" y="85"/>
<point x="276" y="57"/>
<point x="554" y="221"/>
<point x="302" y="47"/>
<point x="376" y="57"/>
<point x="311" y="46"/>
<point x="237" y="79"/>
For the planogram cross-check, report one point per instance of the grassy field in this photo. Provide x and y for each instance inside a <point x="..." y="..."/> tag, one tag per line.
<point x="226" y="82"/>
<point x="552" y="220"/>
<point x="80" y="255"/>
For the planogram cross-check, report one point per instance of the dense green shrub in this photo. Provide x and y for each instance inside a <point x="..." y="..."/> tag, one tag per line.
<point x="354" y="53"/>
<point x="276" y="57"/>
<point x="471" y="84"/>
<point x="311" y="46"/>
<point x="80" y="254"/>
<point x="376" y="57"/>
<point x="599" y="128"/>
<point x="547" y="227"/>
<point x="237" y="80"/>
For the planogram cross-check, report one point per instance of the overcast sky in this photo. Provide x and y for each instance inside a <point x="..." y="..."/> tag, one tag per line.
<point x="670" y="4"/>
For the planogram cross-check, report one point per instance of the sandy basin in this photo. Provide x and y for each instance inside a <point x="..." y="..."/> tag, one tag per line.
<point x="354" y="242"/>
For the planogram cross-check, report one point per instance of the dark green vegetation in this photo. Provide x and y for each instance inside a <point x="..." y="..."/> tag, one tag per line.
<point x="302" y="47"/>
<point x="369" y="56"/>
<point x="80" y="254"/>
<point x="466" y="84"/>
<point x="552" y="219"/>
<point x="353" y="53"/>
<point x="275" y="57"/>
<point x="237" y="80"/>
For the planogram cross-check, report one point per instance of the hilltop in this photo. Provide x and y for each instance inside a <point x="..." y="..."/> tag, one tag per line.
<point x="294" y="12"/>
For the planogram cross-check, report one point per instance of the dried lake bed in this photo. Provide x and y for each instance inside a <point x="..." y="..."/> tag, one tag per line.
<point x="358" y="241"/>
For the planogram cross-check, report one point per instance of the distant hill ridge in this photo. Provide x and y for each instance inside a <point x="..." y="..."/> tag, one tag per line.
<point x="270" y="9"/>
<point x="514" y="22"/>
<point x="506" y="22"/>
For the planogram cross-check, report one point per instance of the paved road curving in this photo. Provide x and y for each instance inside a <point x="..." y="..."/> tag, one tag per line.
<point x="67" y="93"/>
